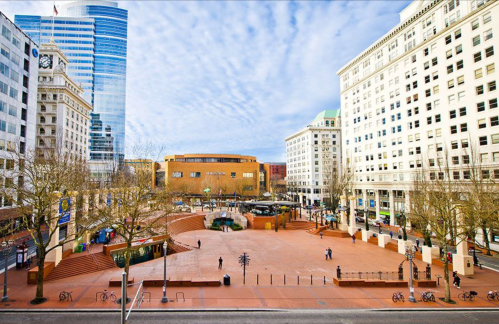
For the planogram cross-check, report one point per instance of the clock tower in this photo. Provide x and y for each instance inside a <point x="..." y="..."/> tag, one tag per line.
<point x="51" y="59"/>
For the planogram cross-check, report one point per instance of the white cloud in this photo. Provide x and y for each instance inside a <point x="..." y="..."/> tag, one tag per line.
<point x="234" y="76"/>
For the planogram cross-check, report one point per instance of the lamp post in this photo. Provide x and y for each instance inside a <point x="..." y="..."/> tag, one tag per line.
<point x="409" y="253"/>
<point x="164" y="299"/>
<point x="366" y="211"/>
<point x="403" y="221"/>
<point x="275" y="214"/>
<point x="6" y="247"/>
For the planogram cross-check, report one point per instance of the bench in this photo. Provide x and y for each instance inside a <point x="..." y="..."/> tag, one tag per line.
<point x="116" y="281"/>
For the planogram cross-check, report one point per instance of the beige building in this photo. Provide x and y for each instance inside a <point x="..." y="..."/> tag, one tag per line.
<point x="63" y="116"/>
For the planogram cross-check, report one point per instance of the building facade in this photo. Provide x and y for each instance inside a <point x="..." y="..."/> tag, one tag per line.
<point x="425" y="91"/>
<point x="18" y="88"/>
<point x="93" y="36"/>
<point x="63" y="115"/>
<point x="313" y="155"/>
<point x="226" y="175"/>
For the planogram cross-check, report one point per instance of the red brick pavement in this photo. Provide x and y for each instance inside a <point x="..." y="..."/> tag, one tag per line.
<point x="294" y="253"/>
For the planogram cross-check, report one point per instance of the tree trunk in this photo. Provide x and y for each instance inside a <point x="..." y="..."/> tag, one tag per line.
<point x="446" y="276"/>
<point x="427" y="238"/>
<point x="486" y="240"/>
<point x="128" y="253"/>
<point x="39" y="281"/>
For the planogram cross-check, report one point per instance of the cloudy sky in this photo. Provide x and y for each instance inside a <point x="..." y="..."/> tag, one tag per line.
<point x="236" y="76"/>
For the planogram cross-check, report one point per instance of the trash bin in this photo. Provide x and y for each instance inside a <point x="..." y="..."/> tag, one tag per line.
<point x="78" y="249"/>
<point x="83" y="247"/>
<point x="226" y="280"/>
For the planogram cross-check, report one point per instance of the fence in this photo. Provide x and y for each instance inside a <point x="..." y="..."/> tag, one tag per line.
<point x="390" y="275"/>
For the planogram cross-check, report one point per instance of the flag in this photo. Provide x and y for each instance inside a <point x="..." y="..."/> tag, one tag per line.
<point x="55" y="11"/>
<point x="234" y="192"/>
<point x="220" y="191"/>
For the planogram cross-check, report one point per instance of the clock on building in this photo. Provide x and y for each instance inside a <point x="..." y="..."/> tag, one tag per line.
<point x="45" y="61"/>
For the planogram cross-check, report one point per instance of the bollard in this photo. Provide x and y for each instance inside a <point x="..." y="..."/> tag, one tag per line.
<point x="338" y="272"/>
<point x="311" y="283"/>
<point x="298" y="280"/>
<point x="379" y="275"/>
<point x="285" y="280"/>
<point x="271" y="279"/>
<point x="257" y="279"/>
<point x="324" y="279"/>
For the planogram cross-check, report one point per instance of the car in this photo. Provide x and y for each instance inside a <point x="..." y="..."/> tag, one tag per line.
<point x="359" y="219"/>
<point x="209" y="205"/>
<point x="231" y="204"/>
<point x="374" y="222"/>
<point x="197" y="203"/>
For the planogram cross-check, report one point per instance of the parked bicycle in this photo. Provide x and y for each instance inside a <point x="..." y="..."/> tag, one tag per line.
<point x="66" y="295"/>
<point x="397" y="297"/>
<point x="108" y="295"/>
<point x="428" y="296"/>
<point x="467" y="295"/>
<point x="493" y="295"/>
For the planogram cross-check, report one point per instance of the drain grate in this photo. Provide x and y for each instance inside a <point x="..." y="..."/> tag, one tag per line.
<point x="320" y="302"/>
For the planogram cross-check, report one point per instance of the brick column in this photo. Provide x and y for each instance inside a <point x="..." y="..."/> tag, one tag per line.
<point x="56" y="254"/>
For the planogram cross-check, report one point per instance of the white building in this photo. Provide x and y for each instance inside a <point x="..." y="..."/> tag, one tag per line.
<point x="18" y="80"/>
<point x="428" y="85"/>
<point x="312" y="154"/>
<point x="63" y="114"/>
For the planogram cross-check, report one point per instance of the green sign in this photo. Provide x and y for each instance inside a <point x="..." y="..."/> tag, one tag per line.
<point x="207" y="190"/>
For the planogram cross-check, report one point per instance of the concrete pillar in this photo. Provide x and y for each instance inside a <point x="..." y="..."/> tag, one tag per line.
<point x="343" y="214"/>
<point x="430" y="253"/>
<point x="366" y="235"/>
<point x="407" y="210"/>
<point x="402" y="245"/>
<point x="392" y="207"/>
<point x="71" y="227"/>
<point x="383" y="239"/>
<point x="56" y="254"/>
<point x="365" y="200"/>
<point x="352" y="228"/>
<point x="378" y="202"/>
<point x="86" y="209"/>
<point x="461" y="261"/>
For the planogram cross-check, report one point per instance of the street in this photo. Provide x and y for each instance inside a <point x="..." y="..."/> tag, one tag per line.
<point x="316" y="316"/>
<point x="31" y="250"/>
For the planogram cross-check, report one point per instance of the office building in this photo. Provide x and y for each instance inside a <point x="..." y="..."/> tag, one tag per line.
<point x="313" y="156"/>
<point x="18" y="82"/>
<point x="93" y="36"/>
<point x="63" y="114"/>
<point x="425" y="91"/>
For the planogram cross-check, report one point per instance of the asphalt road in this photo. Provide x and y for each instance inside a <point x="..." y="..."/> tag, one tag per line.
<point x="31" y="250"/>
<point x="261" y="317"/>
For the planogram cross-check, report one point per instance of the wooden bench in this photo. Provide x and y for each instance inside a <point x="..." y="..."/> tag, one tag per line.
<point x="425" y="283"/>
<point x="116" y="281"/>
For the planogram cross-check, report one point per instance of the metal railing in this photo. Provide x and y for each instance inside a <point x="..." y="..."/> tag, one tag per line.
<point x="375" y="275"/>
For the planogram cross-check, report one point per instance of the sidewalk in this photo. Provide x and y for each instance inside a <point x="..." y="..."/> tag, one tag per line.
<point x="295" y="254"/>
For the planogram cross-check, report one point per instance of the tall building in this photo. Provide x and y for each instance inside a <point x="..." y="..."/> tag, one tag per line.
<point x="18" y="82"/>
<point x="312" y="155"/>
<point x="425" y="89"/>
<point x="63" y="114"/>
<point x="93" y="35"/>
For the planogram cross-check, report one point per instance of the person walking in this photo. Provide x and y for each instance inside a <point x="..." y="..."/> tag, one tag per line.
<point x="28" y="263"/>
<point x="330" y="253"/>
<point x="417" y="244"/>
<point x="220" y="261"/>
<point x="321" y="234"/>
<point x="391" y="234"/>
<point x="327" y="253"/>
<point x="199" y="244"/>
<point x="353" y="238"/>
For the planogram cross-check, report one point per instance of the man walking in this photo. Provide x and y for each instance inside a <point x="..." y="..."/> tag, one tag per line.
<point x="326" y="254"/>
<point x="321" y="234"/>
<point x="330" y="253"/>
<point x="199" y="244"/>
<point x="353" y="238"/>
<point x="391" y="234"/>
<point x="220" y="261"/>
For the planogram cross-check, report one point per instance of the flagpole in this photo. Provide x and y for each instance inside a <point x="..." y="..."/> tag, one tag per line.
<point x="53" y="16"/>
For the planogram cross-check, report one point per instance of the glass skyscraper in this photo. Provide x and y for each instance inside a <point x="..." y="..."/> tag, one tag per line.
<point x="93" y="35"/>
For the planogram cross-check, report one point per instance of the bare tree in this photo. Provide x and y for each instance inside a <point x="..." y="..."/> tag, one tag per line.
<point x="42" y="180"/>
<point x="337" y="182"/>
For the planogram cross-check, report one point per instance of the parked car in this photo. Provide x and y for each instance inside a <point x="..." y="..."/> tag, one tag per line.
<point x="359" y="219"/>
<point x="197" y="203"/>
<point x="374" y="222"/>
<point x="209" y="205"/>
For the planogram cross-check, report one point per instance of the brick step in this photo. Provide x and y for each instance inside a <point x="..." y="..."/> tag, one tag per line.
<point x="373" y="240"/>
<point x="392" y="247"/>
<point x="81" y="265"/>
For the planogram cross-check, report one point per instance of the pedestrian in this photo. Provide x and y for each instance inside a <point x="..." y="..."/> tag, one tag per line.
<point x="28" y="263"/>
<point x="449" y="257"/>
<point x="417" y="244"/>
<point x="475" y="260"/>
<point x="327" y="253"/>
<point x="457" y="280"/>
<point x="220" y="261"/>
<point x="330" y="253"/>
<point x="321" y="234"/>
<point x="353" y="238"/>
<point x="391" y="234"/>
<point x="199" y="244"/>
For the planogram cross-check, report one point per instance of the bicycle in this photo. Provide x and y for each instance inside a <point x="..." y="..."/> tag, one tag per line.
<point x="471" y="295"/>
<point x="106" y="295"/>
<point x="397" y="297"/>
<point x="492" y="295"/>
<point x="66" y="295"/>
<point x="428" y="296"/>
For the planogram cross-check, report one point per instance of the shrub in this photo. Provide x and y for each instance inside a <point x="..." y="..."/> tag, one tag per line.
<point x="236" y="227"/>
<point x="215" y="228"/>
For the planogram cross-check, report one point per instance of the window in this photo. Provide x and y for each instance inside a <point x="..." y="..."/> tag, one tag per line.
<point x="455" y="160"/>
<point x="426" y="52"/>
<point x="459" y="49"/>
<point x="494" y="138"/>
<point x="457" y="34"/>
<point x="460" y="80"/>
<point x="487" y="35"/>
<point x="477" y="57"/>
<point x="438" y="118"/>
<point x="464" y="143"/>
<point x="460" y="65"/>
<point x="479" y="90"/>
<point x="5" y="51"/>
<point x="427" y="79"/>
<point x="492" y="86"/>
<point x="455" y="175"/>
<point x="478" y="73"/>
<point x="462" y="111"/>
<point x="482" y="140"/>
<point x="494" y="121"/>
<point x="480" y="106"/>
<point x="426" y="65"/>
<point x="450" y="84"/>
<point x="489" y="51"/>
<point x="248" y="175"/>
<point x="195" y="174"/>
<point x="466" y="159"/>
<point x="454" y="145"/>
<point x="428" y="120"/>
<point x="177" y="174"/>
<point x="448" y="54"/>
<point x="452" y="114"/>
<point x="450" y="69"/>
<point x="435" y="75"/>
<point x="491" y="68"/>
<point x="453" y="129"/>
<point x="493" y="103"/>
<point x="434" y="61"/>
<point x="428" y="92"/>
<point x="482" y="123"/>
<point x="448" y="39"/>
<point x="6" y="32"/>
<point x="495" y="156"/>
<point x="428" y="106"/>
<point x="487" y="18"/>
<point x="464" y="127"/>
<point x="476" y="40"/>
<point x="475" y="24"/>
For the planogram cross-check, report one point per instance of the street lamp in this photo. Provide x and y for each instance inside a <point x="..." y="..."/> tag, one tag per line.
<point x="164" y="299"/>
<point x="6" y="247"/>
<point x="275" y="215"/>
<point x="409" y="253"/>
<point x="366" y="211"/>
<point x="403" y="222"/>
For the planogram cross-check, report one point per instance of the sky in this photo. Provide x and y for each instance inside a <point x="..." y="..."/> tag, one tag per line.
<point x="235" y="77"/>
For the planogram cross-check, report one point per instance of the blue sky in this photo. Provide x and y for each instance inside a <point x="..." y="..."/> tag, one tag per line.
<point x="236" y="76"/>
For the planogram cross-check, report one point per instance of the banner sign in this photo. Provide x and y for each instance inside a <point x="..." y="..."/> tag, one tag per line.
<point x="108" y="200"/>
<point x="64" y="210"/>
<point x="371" y="203"/>
<point x="360" y="202"/>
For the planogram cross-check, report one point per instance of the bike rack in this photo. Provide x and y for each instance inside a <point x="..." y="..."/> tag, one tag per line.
<point x="176" y="295"/>
<point x="67" y="296"/>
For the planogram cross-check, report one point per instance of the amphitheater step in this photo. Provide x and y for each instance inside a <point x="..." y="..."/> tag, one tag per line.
<point x="86" y="263"/>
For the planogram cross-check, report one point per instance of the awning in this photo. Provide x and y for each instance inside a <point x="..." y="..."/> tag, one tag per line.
<point x="386" y="213"/>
